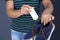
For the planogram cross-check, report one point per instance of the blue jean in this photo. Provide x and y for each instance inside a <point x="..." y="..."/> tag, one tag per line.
<point x="15" y="35"/>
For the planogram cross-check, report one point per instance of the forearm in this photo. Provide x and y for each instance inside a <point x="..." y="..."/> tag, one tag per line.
<point x="49" y="8"/>
<point x="13" y="13"/>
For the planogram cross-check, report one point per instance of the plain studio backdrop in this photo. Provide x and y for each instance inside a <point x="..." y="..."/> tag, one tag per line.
<point x="5" y="22"/>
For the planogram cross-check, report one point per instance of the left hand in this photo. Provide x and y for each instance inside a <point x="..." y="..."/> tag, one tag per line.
<point x="45" y="18"/>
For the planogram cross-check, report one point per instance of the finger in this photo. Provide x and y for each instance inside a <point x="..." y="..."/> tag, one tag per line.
<point x="24" y="5"/>
<point x="47" y="20"/>
<point x="26" y="9"/>
<point x="26" y="12"/>
<point x="29" y="10"/>
<point x="42" y="19"/>
<point x="27" y="6"/>
<point x="23" y="11"/>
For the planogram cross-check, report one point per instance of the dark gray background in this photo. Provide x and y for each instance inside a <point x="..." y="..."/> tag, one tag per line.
<point x="5" y="22"/>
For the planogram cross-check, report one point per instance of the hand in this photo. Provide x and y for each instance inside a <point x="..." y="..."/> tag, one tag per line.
<point x="45" y="18"/>
<point x="25" y="9"/>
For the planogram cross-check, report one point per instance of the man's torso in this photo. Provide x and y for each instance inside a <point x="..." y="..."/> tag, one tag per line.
<point x="25" y="22"/>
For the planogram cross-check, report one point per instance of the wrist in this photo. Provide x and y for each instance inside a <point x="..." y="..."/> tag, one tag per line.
<point x="46" y="14"/>
<point x="20" y="12"/>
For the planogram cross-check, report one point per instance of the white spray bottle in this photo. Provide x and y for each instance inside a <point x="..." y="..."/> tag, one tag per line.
<point x="33" y="14"/>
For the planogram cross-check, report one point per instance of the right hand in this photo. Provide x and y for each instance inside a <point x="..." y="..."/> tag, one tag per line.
<point x="25" y="9"/>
